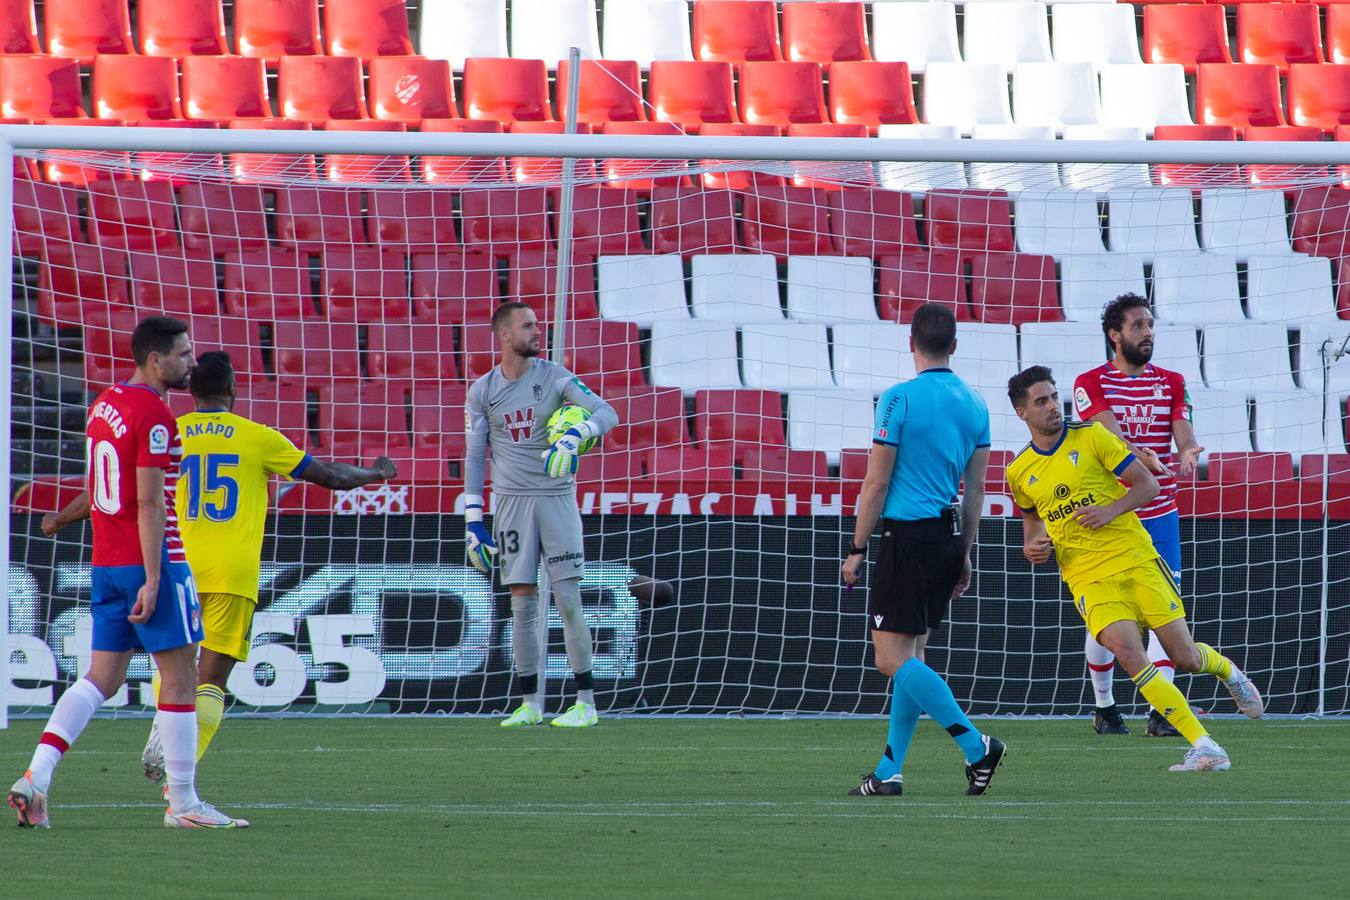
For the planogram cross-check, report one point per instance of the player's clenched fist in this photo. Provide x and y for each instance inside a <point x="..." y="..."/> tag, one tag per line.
<point x="478" y="545"/>
<point x="1038" y="550"/>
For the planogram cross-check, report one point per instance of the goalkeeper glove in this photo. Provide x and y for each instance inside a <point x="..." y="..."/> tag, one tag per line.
<point x="478" y="545"/>
<point x="561" y="459"/>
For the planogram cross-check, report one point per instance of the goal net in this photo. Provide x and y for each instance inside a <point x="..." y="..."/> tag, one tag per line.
<point x="741" y="316"/>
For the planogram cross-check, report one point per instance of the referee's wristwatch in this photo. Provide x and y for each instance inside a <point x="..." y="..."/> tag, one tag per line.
<point x="856" y="551"/>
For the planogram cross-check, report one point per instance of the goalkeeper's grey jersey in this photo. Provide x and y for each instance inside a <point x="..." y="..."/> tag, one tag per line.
<point x="511" y="417"/>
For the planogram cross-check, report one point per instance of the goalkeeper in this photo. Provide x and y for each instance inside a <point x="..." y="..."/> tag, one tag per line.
<point x="535" y="510"/>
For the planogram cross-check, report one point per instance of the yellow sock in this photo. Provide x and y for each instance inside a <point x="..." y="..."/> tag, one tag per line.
<point x="1212" y="662"/>
<point x="210" y="710"/>
<point x="1164" y="696"/>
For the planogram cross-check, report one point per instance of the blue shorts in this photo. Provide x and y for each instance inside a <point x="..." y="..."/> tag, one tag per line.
<point x="177" y="619"/>
<point x="1166" y="533"/>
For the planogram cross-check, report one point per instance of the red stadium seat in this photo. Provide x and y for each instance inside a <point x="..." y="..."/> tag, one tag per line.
<point x="133" y="215"/>
<point x="18" y="27"/>
<point x="686" y="464"/>
<point x="454" y="286"/>
<point x="107" y="345"/>
<point x="1250" y="468"/>
<point x="1239" y="95"/>
<point x="365" y="285"/>
<point x="367" y="28"/>
<point x="267" y="285"/>
<point x="1321" y="224"/>
<point x="479" y="350"/>
<point x="648" y="417"/>
<point x="220" y="218"/>
<point x="970" y="220"/>
<point x="743" y="179"/>
<point x="366" y="169"/>
<point x="40" y="87"/>
<point x="1338" y="33"/>
<point x="82" y="29"/>
<point x="223" y="88"/>
<point x="316" y="349"/>
<point x="417" y="221"/>
<point x="1182" y="175"/>
<point x="915" y="277"/>
<point x="691" y="93"/>
<point x="175" y="284"/>
<point x="319" y="89"/>
<point x="504" y="220"/>
<point x="1185" y="34"/>
<point x="607" y="91"/>
<point x="605" y="355"/>
<point x="735" y="30"/>
<point x="824" y="32"/>
<point x="1336" y="467"/>
<point x="545" y="169"/>
<point x="608" y="465"/>
<point x="282" y="405"/>
<point x="270" y="29"/>
<point x="741" y="416"/>
<point x="1319" y="96"/>
<point x="438" y="421"/>
<point x="310" y="217"/>
<point x="43" y="214"/>
<point x="872" y="222"/>
<point x="644" y="174"/>
<point x="532" y="277"/>
<point x="507" y="90"/>
<point x="411" y="89"/>
<point x="872" y="94"/>
<point x="371" y="420"/>
<point x="786" y="221"/>
<point x="236" y="337"/>
<point x="181" y="28"/>
<point x="853" y="464"/>
<point x="689" y="221"/>
<point x="136" y="88"/>
<point x="781" y="93"/>
<point x="781" y="463"/>
<point x="247" y="167"/>
<point x="1268" y="175"/>
<point x="460" y="170"/>
<point x="421" y="351"/>
<point x="1343" y="290"/>
<point x="1279" y="34"/>
<point x="605" y="222"/>
<point x="1014" y="288"/>
<point x="829" y="176"/>
<point x="75" y="276"/>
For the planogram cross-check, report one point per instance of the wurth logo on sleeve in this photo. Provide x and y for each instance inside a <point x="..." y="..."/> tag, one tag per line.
<point x="519" y="423"/>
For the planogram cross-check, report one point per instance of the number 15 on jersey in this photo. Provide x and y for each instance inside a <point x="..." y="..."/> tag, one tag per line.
<point x="210" y="478"/>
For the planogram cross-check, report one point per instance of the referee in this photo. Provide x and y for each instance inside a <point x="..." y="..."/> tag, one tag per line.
<point x="930" y="434"/>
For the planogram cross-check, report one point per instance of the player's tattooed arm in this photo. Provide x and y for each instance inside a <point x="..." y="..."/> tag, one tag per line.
<point x="76" y="510"/>
<point x="344" y="476"/>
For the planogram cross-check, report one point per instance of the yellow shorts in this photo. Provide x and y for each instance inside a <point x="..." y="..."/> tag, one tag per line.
<point x="226" y="621"/>
<point x="1145" y="594"/>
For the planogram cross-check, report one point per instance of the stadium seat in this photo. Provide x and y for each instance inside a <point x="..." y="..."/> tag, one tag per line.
<point x="1293" y="423"/>
<point x="786" y="356"/>
<point x="1007" y="433"/>
<point x="1150" y="222"/>
<point x="915" y="33"/>
<point x="1056" y="94"/>
<point x="782" y="464"/>
<point x="716" y="175"/>
<point x="503" y="220"/>
<point x="1222" y="418"/>
<point x="366" y="420"/>
<point x="1238" y="94"/>
<point x="1144" y="96"/>
<point x="987" y="353"/>
<point x="456" y="30"/>
<point x="1057" y="223"/>
<point x="1195" y="289"/>
<point x="1035" y="177"/>
<point x="18" y="28"/>
<point x="346" y="168"/>
<point x="1313" y="336"/>
<point x="132" y="215"/>
<point x="689" y="221"/>
<point x="641" y="175"/>
<point x="648" y="417"/>
<point x="871" y="94"/>
<point x="463" y="170"/>
<point x="1335" y="466"/>
<point x="607" y="91"/>
<point x="267" y="285"/>
<point x="830" y="289"/>
<point x="319" y="89"/>
<point x="916" y="277"/>
<point x="694" y="355"/>
<point x="40" y="87"/>
<point x="687" y="464"/>
<point x="507" y="90"/>
<point x="781" y="93"/>
<point x="1338" y="34"/>
<point x="1067" y="348"/>
<point x="81" y="29"/>
<point x="242" y="341"/>
<point x="1186" y="35"/>
<point x="1177" y="347"/>
<point x="739" y="287"/>
<point x="44" y="213"/>
<point x="1006" y="34"/>
<point x="269" y="167"/>
<point x="1283" y="176"/>
<point x="691" y="93"/>
<point x="412" y="221"/>
<point x="316" y="350"/>
<point x="966" y="94"/>
<point x="1321" y="221"/>
<point x="642" y="289"/>
<point x="785" y="221"/>
<point x="365" y="285"/>
<point x="1088" y="278"/>
<point x="547" y="29"/>
<point x="221" y="218"/>
<point x="547" y="170"/>
<point x="609" y="465"/>
<point x="181" y="28"/>
<point x="1198" y="174"/>
<point x="919" y="177"/>
<point x="648" y="31"/>
<point x="1288" y="288"/>
<point x="1102" y="177"/>
<point x="410" y="90"/>
<point x="437" y="417"/>
<point x="178" y="285"/>
<point x="1247" y="468"/>
<point x="1248" y="357"/>
<point x="871" y="357"/>
<point x="872" y="222"/>
<point x="76" y="277"/>
<point x="606" y="355"/>
<point x="136" y="88"/>
<point x="605" y="220"/>
<point x="532" y="278"/>
<point x="824" y="32"/>
<point x="308" y="218"/>
<point x="453" y="285"/>
<point x="224" y="88"/>
<point x="271" y="29"/>
<point x="1097" y="33"/>
<point x="970" y="220"/>
<point x="1014" y="288"/>
<point x="107" y="345"/>
<point x="367" y="28"/>
<point x="1279" y="34"/>
<point x="743" y="418"/>
<point x="736" y="31"/>
<point x="1243" y="223"/>
<point x="1319" y="96"/>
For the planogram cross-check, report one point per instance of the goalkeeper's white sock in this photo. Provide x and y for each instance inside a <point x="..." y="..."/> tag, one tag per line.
<point x="1101" y="669"/>
<point x="1158" y="656"/>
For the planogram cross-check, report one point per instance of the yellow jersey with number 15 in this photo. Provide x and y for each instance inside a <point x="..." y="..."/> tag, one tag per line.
<point x="222" y="496"/>
<point x="1080" y="470"/>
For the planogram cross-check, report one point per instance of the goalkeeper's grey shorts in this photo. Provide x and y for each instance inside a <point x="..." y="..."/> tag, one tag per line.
<point x="534" y="529"/>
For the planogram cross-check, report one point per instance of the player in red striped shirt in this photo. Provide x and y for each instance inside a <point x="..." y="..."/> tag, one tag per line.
<point x="142" y="596"/>
<point x="1148" y="407"/>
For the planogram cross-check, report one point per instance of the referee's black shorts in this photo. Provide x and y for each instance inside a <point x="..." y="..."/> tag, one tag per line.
<point x="916" y="571"/>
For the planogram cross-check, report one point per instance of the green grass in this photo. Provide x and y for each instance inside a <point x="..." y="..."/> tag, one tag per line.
<point x="691" y="807"/>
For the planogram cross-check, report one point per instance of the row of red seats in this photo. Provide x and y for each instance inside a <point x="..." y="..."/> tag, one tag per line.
<point x="1270" y="33"/>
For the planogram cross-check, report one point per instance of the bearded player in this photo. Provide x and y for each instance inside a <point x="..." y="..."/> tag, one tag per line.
<point x="534" y="502"/>
<point x="1147" y="407"/>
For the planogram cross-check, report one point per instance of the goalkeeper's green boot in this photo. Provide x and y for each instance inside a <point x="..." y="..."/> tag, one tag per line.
<point x="581" y="715"/>
<point x="525" y="714"/>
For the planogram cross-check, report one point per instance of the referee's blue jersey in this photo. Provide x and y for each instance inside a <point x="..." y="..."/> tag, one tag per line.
<point x="935" y="422"/>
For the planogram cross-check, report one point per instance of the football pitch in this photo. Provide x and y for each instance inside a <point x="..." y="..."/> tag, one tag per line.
<point x="638" y="807"/>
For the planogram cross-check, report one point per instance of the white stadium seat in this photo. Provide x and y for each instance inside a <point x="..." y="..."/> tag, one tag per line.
<point x="1312" y="337"/>
<point x="1056" y="94"/>
<point x="966" y="95"/>
<point x="787" y="356"/>
<point x="1057" y="223"/>
<point x="919" y="177"/>
<point x="1196" y="289"/>
<point x="1150" y="222"/>
<point x="1068" y="348"/>
<point x="1177" y="347"/>
<point x="645" y="30"/>
<point x="736" y="287"/>
<point x="829" y="421"/>
<point x="1292" y="289"/>
<point x="1243" y="223"/>
<point x="1221" y="422"/>
<point x="642" y="289"/>
<point x="1293" y="423"/>
<point x="871" y="357"/>
<point x="1014" y="178"/>
<point x="1145" y="96"/>
<point x="1088" y="281"/>
<point x="1096" y="33"/>
<point x="830" y="289"/>
<point x="548" y="29"/>
<point x="1006" y="33"/>
<point x="1250" y="357"/>
<point x="458" y="29"/>
<point x="986" y="355"/>
<point x="1006" y="430"/>
<point x="915" y="33"/>
<point x="1103" y="177"/>
<point x="694" y="356"/>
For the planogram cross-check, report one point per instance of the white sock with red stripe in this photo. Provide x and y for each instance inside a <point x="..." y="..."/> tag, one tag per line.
<point x="1161" y="661"/>
<point x="1101" y="669"/>
<point x="72" y="713"/>
<point x="177" y="723"/>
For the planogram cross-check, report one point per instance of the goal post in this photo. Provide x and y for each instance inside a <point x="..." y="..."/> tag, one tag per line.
<point x="741" y="301"/>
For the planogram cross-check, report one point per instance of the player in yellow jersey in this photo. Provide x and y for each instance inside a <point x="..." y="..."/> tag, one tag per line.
<point x="1067" y="482"/>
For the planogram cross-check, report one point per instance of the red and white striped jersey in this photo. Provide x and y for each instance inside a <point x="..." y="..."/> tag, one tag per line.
<point x="1145" y="406"/>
